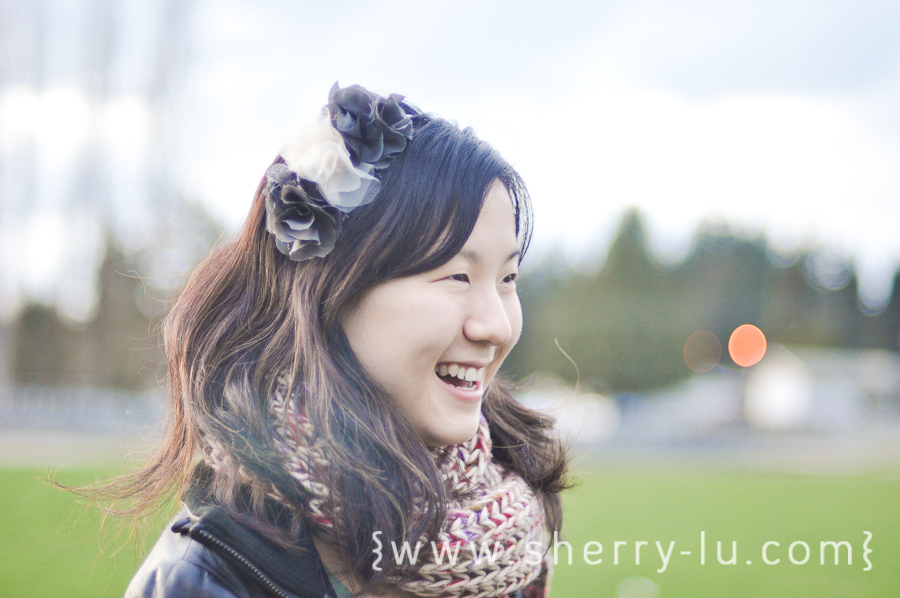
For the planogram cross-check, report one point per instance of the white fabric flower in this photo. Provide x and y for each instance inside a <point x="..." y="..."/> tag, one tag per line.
<point x="317" y="153"/>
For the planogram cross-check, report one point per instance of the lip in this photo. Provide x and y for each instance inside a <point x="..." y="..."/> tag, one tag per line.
<point x="467" y="396"/>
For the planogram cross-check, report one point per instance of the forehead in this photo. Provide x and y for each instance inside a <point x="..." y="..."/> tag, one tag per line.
<point x="495" y="228"/>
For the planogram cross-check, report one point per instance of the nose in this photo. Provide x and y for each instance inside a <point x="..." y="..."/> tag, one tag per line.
<point x="488" y="320"/>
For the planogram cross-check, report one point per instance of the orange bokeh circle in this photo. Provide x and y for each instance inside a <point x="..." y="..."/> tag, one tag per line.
<point x="747" y="345"/>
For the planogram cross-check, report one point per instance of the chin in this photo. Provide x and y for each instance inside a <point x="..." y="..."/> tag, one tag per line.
<point x="456" y="434"/>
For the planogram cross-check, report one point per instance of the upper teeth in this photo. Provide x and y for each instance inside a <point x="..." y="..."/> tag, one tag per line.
<point x="469" y="374"/>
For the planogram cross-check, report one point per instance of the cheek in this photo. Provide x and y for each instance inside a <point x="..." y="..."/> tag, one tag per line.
<point x="514" y="315"/>
<point x="515" y="320"/>
<point x="395" y="328"/>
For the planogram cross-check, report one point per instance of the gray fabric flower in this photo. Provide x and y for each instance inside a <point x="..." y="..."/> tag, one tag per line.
<point x="331" y="169"/>
<point x="374" y="128"/>
<point x="304" y="227"/>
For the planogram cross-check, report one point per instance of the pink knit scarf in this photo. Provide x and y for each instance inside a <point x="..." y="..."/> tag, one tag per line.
<point x="492" y="545"/>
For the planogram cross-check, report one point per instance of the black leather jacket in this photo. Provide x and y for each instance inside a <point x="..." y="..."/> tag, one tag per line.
<point x="206" y="553"/>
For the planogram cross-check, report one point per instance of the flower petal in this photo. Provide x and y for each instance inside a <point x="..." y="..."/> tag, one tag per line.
<point x="374" y="128"/>
<point x="302" y="228"/>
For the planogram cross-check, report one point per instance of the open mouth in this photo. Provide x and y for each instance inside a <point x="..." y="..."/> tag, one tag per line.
<point x="460" y="376"/>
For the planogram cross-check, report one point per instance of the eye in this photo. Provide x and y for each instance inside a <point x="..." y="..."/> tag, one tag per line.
<point x="511" y="278"/>
<point x="459" y="277"/>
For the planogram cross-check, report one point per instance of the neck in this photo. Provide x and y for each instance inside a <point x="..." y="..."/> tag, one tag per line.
<point x="339" y="568"/>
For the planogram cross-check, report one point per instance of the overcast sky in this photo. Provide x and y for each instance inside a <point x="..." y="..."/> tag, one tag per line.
<point x="779" y="117"/>
<point x="774" y="117"/>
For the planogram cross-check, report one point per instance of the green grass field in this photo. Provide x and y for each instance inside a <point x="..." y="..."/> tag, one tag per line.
<point x="748" y="508"/>
<point x="51" y="546"/>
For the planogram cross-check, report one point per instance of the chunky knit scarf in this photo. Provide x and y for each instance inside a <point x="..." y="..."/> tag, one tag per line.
<point x="493" y="545"/>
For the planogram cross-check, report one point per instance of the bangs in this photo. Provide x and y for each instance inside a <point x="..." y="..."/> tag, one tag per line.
<point x="429" y="202"/>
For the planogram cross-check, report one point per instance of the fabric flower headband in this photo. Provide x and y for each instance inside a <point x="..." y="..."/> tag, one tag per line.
<point x="331" y="168"/>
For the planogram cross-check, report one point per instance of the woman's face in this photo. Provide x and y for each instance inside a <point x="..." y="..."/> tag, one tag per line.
<point x="435" y="340"/>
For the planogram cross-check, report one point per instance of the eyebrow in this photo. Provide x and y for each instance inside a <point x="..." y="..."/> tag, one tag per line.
<point x="476" y="258"/>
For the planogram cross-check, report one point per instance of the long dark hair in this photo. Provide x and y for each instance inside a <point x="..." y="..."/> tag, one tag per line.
<point x="249" y="316"/>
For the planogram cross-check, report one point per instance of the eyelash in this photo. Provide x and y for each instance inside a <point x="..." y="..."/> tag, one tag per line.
<point x="465" y="278"/>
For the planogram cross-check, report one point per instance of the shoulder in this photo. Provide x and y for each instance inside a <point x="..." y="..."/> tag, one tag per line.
<point x="180" y="566"/>
<point x="209" y="554"/>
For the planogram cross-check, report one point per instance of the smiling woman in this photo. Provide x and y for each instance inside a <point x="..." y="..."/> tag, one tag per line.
<point x="435" y="340"/>
<point x="335" y="368"/>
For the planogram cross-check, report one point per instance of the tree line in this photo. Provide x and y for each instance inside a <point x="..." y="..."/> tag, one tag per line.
<point x="624" y="325"/>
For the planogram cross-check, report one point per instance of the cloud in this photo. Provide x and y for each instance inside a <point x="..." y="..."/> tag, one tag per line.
<point x="774" y="116"/>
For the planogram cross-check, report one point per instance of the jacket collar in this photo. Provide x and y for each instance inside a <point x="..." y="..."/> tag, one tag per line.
<point x="289" y="573"/>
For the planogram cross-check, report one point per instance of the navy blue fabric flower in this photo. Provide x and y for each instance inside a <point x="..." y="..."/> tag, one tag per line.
<point x="304" y="227"/>
<point x="374" y="128"/>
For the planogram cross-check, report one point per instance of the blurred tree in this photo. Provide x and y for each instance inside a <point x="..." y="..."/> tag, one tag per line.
<point x="625" y="326"/>
<point x="725" y="281"/>
<point x="617" y="325"/>
<point x="882" y="330"/>
<point x="120" y="346"/>
<point x="41" y="346"/>
<point x="108" y="77"/>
